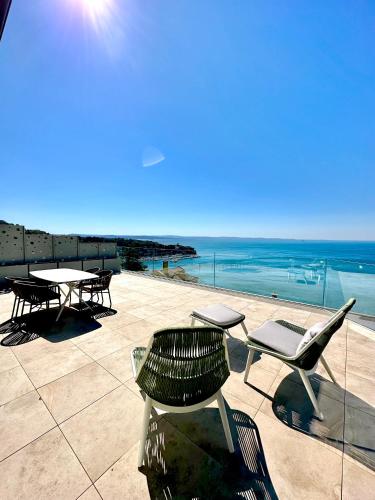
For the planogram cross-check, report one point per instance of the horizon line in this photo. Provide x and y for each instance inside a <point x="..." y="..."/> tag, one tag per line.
<point x="222" y="237"/>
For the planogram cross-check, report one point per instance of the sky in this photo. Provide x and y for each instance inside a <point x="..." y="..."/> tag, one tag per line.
<point x="214" y="117"/>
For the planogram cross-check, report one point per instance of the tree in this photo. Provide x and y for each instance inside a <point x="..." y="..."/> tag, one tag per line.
<point x="131" y="260"/>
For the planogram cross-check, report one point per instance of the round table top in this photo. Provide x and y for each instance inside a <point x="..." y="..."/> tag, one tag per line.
<point x="62" y="275"/>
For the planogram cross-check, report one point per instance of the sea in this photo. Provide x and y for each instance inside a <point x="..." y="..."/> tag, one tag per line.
<point x="324" y="273"/>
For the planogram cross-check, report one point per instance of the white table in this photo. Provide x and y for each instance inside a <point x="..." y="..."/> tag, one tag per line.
<point x="68" y="277"/>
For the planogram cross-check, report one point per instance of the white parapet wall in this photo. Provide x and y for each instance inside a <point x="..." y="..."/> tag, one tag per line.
<point x="12" y="248"/>
<point x="22" y="252"/>
<point x="38" y="247"/>
<point x="65" y="247"/>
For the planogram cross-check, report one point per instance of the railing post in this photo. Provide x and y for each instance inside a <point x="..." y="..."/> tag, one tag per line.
<point x="325" y="283"/>
<point x="214" y="269"/>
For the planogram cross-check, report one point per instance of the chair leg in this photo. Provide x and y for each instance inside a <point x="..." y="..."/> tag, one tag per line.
<point x="310" y="392"/>
<point x="249" y="361"/>
<point x="224" y="420"/>
<point x="18" y="305"/>
<point x="14" y="307"/>
<point x="244" y="329"/>
<point x="110" y="299"/>
<point x="328" y="369"/>
<point x="146" y="420"/>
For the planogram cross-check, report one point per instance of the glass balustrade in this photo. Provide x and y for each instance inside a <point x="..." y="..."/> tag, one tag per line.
<point x="322" y="282"/>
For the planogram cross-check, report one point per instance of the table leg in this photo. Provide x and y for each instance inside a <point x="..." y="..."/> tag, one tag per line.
<point x="67" y="296"/>
<point x="81" y="299"/>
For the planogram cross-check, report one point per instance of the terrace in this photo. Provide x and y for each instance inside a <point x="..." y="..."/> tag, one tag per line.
<point x="70" y="413"/>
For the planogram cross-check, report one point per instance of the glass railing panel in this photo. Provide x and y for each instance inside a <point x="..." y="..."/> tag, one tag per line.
<point x="300" y="280"/>
<point x="347" y="279"/>
<point x="176" y="266"/>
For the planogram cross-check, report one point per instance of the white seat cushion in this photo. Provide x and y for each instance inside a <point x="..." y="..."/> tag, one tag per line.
<point x="219" y="315"/>
<point x="312" y="332"/>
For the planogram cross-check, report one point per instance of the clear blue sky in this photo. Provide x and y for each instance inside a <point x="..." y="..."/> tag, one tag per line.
<point x="244" y="118"/>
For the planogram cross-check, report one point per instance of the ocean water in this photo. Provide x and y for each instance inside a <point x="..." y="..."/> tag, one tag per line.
<point x="315" y="272"/>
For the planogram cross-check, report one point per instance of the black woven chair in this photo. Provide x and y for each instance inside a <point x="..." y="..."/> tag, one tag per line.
<point x="83" y="283"/>
<point x="98" y="286"/>
<point x="34" y="295"/>
<point x="282" y="340"/>
<point x="11" y="280"/>
<point x="182" y="370"/>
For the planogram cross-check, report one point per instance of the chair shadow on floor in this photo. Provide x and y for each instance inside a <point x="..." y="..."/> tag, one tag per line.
<point x="238" y="354"/>
<point x="97" y="311"/>
<point x="187" y="457"/>
<point x="28" y="327"/>
<point x="349" y="421"/>
<point x="347" y="427"/>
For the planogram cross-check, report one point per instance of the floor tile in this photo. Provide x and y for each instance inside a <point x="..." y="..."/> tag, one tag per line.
<point x="119" y="363"/>
<point x="103" y="432"/>
<point x="357" y="482"/>
<point x="7" y="360"/>
<point x="175" y="468"/>
<point x="360" y="393"/>
<point x="55" y="365"/>
<point x="73" y="392"/>
<point x="138" y="331"/>
<point x="103" y="345"/>
<point x="254" y="390"/>
<point x="13" y="383"/>
<point x="46" y="468"/>
<point x="360" y="436"/>
<point x="21" y="421"/>
<point x="289" y="403"/>
<point x="90" y="494"/>
<point x="295" y="462"/>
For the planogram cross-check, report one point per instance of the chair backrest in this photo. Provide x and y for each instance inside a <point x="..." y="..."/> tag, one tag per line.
<point x="93" y="270"/>
<point x="30" y="292"/>
<point x="184" y="366"/>
<point x="104" y="279"/>
<point x="312" y="351"/>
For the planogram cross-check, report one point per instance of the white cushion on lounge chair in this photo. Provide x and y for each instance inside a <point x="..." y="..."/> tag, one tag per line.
<point x="277" y="337"/>
<point x="310" y="334"/>
<point x="219" y="315"/>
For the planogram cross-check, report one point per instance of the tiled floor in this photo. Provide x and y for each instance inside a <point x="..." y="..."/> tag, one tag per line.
<point x="70" y="411"/>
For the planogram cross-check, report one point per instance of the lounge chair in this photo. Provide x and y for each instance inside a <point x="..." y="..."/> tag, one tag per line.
<point x="182" y="370"/>
<point x="297" y="347"/>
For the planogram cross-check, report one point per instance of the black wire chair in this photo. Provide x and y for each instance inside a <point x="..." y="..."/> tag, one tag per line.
<point x="98" y="286"/>
<point x="83" y="283"/>
<point x="28" y="292"/>
<point x="182" y="370"/>
<point x="11" y="280"/>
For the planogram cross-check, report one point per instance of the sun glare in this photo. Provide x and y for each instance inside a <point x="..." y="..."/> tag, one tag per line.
<point x="106" y="19"/>
<point x="97" y="8"/>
